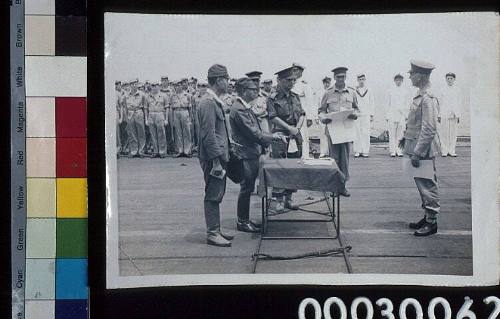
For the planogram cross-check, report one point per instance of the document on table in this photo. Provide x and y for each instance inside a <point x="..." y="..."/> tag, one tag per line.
<point x="425" y="170"/>
<point x="318" y="161"/>
<point x="341" y="128"/>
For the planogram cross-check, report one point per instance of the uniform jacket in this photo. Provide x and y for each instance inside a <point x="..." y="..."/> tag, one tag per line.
<point x="337" y="100"/>
<point x="451" y="102"/>
<point x="181" y="100"/>
<point x="286" y="106"/>
<point x="213" y="137"/>
<point x="136" y="101"/>
<point x="398" y="100"/>
<point x="246" y="131"/>
<point x="365" y="101"/>
<point x="307" y="99"/>
<point x="421" y="127"/>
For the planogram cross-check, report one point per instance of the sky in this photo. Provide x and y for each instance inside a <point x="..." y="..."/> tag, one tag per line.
<point x="148" y="46"/>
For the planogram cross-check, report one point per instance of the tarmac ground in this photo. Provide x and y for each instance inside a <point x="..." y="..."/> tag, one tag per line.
<point x="162" y="227"/>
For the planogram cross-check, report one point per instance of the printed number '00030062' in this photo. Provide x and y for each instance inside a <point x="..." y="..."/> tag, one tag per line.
<point x="387" y="308"/>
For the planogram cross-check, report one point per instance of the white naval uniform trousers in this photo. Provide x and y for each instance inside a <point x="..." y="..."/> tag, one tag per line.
<point x="363" y="124"/>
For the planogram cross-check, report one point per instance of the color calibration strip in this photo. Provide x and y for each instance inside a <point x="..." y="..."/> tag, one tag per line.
<point x="55" y="240"/>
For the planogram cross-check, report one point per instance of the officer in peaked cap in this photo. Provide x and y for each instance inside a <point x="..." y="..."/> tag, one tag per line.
<point x="339" y="98"/>
<point x="254" y="75"/>
<point x="287" y="115"/>
<point x="421" y="143"/>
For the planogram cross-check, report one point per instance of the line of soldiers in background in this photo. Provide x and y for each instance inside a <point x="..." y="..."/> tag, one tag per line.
<point x="159" y="119"/>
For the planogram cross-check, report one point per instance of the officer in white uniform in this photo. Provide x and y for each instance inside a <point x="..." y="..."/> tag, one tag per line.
<point x="307" y="100"/>
<point x="451" y="106"/>
<point x="396" y="114"/>
<point x="361" y="145"/>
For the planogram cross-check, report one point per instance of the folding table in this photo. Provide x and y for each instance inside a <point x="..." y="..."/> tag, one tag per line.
<point x="297" y="174"/>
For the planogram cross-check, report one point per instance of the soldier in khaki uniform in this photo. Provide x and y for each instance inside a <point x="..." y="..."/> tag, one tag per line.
<point x="202" y="90"/>
<point x="420" y="143"/>
<point x="169" y="130"/>
<point x="120" y="116"/>
<point x="287" y="116"/>
<point x="181" y="104"/>
<point x="136" y="102"/>
<point x="157" y="120"/>
<point x="336" y="99"/>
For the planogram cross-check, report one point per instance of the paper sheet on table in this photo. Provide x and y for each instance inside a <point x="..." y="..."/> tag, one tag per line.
<point x="425" y="170"/>
<point x="341" y="129"/>
<point x="318" y="161"/>
<point x="292" y="146"/>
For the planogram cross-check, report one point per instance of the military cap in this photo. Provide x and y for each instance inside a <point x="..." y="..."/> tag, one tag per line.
<point x="361" y="75"/>
<point x="118" y="82"/>
<point x="450" y="74"/>
<point x="164" y="78"/>
<point x="327" y="78"/>
<point x="267" y="81"/>
<point x="254" y="74"/>
<point x="203" y="85"/>
<point x="422" y="67"/>
<point x="217" y="70"/>
<point x="183" y="80"/>
<point x="134" y="81"/>
<point x="154" y="83"/>
<point x="286" y="73"/>
<point x="340" y="70"/>
<point x="246" y="83"/>
<point x="140" y="84"/>
<point x="298" y="66"/>
<point x="398" y="76"/>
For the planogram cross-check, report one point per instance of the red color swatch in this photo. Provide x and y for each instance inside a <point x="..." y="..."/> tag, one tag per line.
<point x="71" y="117"/>
<point x="71" y="157"/>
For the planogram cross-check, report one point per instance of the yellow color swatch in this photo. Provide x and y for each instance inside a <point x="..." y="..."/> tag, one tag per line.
<point x="72" y="198"/>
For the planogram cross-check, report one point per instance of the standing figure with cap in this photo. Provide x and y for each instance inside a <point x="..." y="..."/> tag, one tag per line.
<point x="336" y="99"/>
<point x="420" y="143"/>
<point x="307" y="100"/>
<point x="136" y="102"/>
<point x="451" y="104"/>
<point x="323" y="139"/>
<point x="157" y="120"/>
<point x="259" y="104"/>
<point x="181" y="103"/>
<point x="396" y="114"/>
<point x="169" y="130"/>
<point x="250" y="141"/>
<point x="287" y="116"/>
<point x="202" y="90"/>
<point x="213" y="152"/>
<point x="120" y="115"/>
<point x="366" y="111"/>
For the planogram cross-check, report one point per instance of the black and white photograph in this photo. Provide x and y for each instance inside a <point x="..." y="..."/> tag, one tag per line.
<point x="301" y="149"/>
